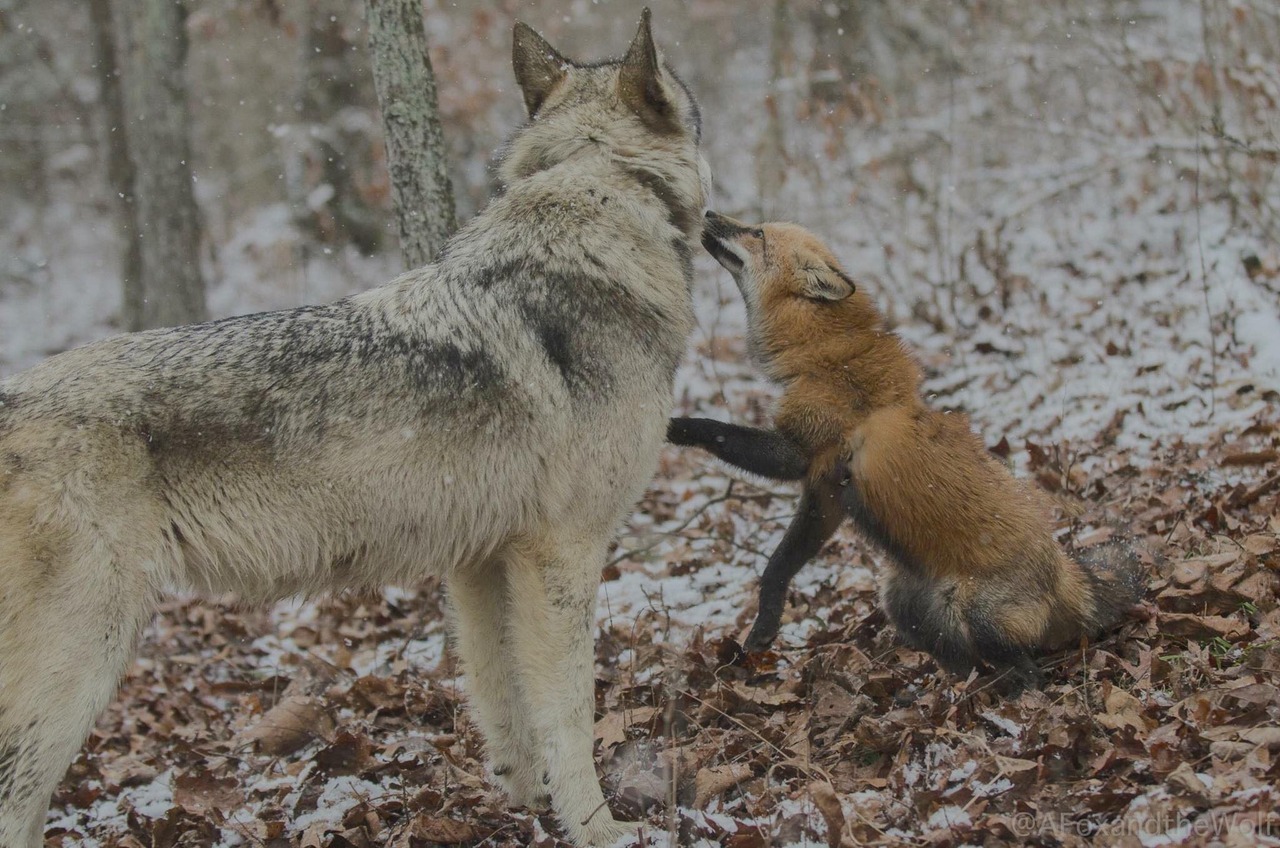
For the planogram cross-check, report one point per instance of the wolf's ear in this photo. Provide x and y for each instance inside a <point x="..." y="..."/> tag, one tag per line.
<point x="822" y="282"/>
<point x="538" y="66"/>
<point x="640" y="84"/>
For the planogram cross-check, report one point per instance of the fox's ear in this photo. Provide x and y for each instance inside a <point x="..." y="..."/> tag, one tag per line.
<point x="822" y="282"/>
<point x="640" y="84"/>
<point x="538" y="66"/>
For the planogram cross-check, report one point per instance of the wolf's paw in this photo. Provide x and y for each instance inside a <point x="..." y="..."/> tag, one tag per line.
<point x="523" y="787"/>
<point x="603" y="831"/>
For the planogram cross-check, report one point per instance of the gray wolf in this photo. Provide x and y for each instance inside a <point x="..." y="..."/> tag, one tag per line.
<point x="488" y="418"/>
<point x="975" y="574"/>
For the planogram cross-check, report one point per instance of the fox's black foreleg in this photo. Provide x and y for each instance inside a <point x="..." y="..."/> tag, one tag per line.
<point x="766" y="453"/>
<point x="814" y="524"/>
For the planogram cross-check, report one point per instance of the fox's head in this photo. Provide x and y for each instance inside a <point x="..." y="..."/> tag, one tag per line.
<point x="634" y="108"/>
<point x="796" y="293"/>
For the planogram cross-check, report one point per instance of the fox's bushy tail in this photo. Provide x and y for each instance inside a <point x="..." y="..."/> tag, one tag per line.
<point x="1116" y="578"/>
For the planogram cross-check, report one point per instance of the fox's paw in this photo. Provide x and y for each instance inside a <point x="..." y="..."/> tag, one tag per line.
<point x="1022" y="675"/>
<point x="761" y="637"/>
<point x="765" y="629"/>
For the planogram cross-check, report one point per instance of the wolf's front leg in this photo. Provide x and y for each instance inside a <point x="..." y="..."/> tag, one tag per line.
<point x="68" y="630"/>
<point x="766" y="453"/>
<point x="482" y="624"/>
<point x="553" y="599"/>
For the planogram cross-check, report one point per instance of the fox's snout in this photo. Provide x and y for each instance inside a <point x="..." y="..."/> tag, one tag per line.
<point x="720" y="235"/>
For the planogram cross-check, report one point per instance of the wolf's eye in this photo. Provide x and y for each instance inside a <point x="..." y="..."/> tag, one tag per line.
<point x="758" y="233"/>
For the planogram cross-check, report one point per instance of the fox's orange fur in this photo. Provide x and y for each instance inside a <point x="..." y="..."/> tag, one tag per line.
<point x="975" y="572"/>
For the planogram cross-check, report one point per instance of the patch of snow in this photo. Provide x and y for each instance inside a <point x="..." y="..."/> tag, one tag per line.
<point x="1007" y="725"/>
<point x="340" y="794"/>
<point x="151" y="800"/>
<point x="949" y="817"/>
<point x="1261" y="329"/>
<point x="995" y="787"/>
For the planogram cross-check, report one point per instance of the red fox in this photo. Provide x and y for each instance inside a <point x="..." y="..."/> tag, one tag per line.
<point x="975" y="575"/>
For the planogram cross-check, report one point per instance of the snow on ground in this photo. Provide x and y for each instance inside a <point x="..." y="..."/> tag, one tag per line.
<point x="1108" y="331"/>
<point x="1111" y="318"/>
<point x="1103" y="327"/>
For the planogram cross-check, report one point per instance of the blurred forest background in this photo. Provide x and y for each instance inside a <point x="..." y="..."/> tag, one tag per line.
<point x="926" y="138"/>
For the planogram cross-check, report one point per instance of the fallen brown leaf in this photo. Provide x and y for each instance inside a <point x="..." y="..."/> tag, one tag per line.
<point x="824" y="796"/>
<point x="296" y="720"/>
<point x="713" y="781"/>
<point x="445" y="831"/>
<point x="1124" y="710"/>
<point x="1203" y="626"/>
<point x="198" y="791"/>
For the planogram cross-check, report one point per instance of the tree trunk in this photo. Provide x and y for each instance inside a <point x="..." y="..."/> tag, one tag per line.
<point x="416" y="157"/>
<point x="120" y="172"/>
<point x="155" y="40"/>
<point x="327" y="152"/>
<point x="771" y="158"/>
<point x="839" y="50"/>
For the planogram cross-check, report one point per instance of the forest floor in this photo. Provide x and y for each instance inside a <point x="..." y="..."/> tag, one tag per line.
<point x="1086" y="265"/>
<point x="341" y="722"/>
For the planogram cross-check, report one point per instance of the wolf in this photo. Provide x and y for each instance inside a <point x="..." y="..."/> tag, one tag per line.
<point x="975" y="576"/>
<point x="488" y="418"/>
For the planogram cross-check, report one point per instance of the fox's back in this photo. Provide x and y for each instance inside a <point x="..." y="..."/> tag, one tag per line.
<point x="950" y="508"/>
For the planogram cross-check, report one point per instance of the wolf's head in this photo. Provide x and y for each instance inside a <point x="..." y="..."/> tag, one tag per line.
<point x="634" y="108"/>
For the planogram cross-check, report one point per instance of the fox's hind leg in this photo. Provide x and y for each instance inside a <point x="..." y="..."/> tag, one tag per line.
<point x="68" y="630"/>
<point x="928" y="618"/>
<point x="1011" y="660"/>
<point x="818" y="517"/>
<point x="553" y="590"/>
<point x="478" y="599"/>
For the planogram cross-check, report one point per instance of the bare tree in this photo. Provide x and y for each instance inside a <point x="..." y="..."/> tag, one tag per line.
<point x="839" y="51"/>
<point x="865" y="51"/>
<point x="331" y="161"/>
<point x="771" y="159"/>
<point x="153" y="35"/>
<point x="120" y="170"/>
<point x="416" y="156"/>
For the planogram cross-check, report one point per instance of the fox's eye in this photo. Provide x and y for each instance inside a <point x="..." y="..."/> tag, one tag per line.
<point x="758" y="233"/>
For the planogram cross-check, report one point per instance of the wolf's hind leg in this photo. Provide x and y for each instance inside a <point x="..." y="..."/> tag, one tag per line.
<point x="67" y="634"/>
<point x="482" y="624"/>
<point x="553" y="600"/>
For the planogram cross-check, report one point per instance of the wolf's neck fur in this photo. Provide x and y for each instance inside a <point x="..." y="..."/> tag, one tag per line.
<point x="669" y="169"/>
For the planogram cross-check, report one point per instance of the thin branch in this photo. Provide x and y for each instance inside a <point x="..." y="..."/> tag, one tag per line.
<point x="635" y="552"/>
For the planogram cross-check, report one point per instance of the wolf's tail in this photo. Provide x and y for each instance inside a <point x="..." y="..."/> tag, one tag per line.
<point x="1117" y="580"/>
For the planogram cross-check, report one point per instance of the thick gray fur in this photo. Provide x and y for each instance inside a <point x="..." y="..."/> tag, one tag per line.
<point x="488" y="418"/>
